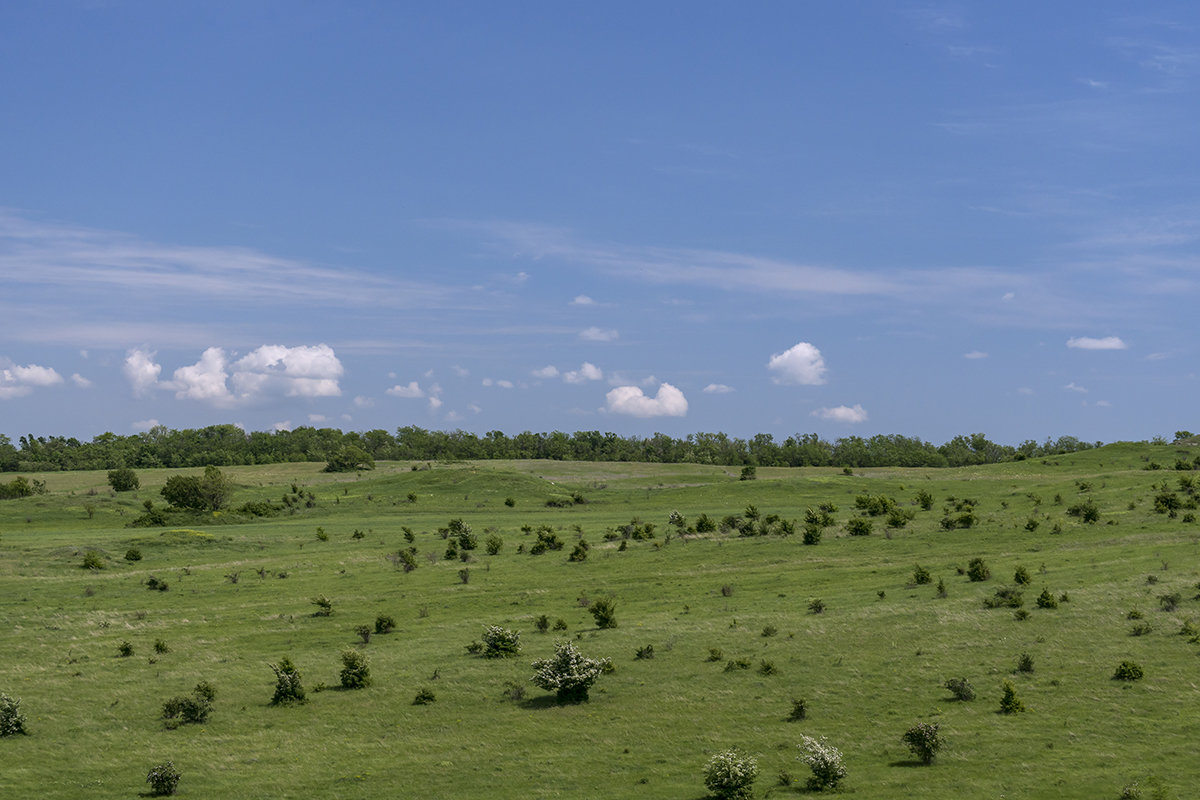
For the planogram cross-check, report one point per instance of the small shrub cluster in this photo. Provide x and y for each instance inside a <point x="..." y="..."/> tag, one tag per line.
<point x="190" y="709"/>
<point x="977" y="570"/>
<point x="288" y="688"/>
<point x="825" y="761"/>
<point x="568" y="673"/>
<point x="356" y="670"/>
<point x="924" y="740"/>
<point x="163" y="779"/>
<point x="12" y="721"/>
<point x="500" y="642"/>
<point x="1128" y="671"/>
<point x="1009" y="702"/>
<point x="604" y="611"/>
<point x="961" y="688"/>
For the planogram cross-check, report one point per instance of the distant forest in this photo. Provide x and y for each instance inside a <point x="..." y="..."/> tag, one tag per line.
<point x="227" y="445"/>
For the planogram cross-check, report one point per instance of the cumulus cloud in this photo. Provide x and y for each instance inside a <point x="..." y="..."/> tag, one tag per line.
<point x="583" y="300"/>
<point x="285" y="425"/>
<point x="595" y="334"/>
<point x="801" y="364"/>
<point x="141" y="371"/>
<point x="503" y="384"/>
<point x="80" y="381"/>
<point x="549" y="371"/>
<point x="317" y="419"/>
<point x="304" y="371"/>
<point x="435" y="403"/>
<point x="1072" y="387"/>
<point x="587" y="372"/>
<point x="631" y="400"/>
<point x="975" y="354"/>
<point x="144" y="424"/>
<point x="204" y="380"/>
<point x="17" y="381"/>
<point x="363" y="402"/>
<point x="717" y="388"/>
<point x="412" y="390"/>
<point x="847" y="414"/>
<point x="1088" y="343"/>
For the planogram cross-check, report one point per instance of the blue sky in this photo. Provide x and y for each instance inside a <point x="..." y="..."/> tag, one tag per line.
<point x="841" y="218"/>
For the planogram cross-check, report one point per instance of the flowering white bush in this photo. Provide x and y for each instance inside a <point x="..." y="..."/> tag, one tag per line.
<point x="568" y="673"/>
<point x="500" y="642"/>
<point x="824" y="760"/>
<point x="12" y="721"/>
<point x="730" y="775"/>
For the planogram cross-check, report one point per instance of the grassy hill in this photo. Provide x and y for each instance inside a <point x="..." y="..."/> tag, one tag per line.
<point x="871" y="664"/>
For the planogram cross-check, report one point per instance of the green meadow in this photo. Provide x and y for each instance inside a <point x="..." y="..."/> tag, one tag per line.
<point x="840" y="624"/>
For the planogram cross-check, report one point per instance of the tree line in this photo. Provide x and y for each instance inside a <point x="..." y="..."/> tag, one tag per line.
<point x="229" y="445"/>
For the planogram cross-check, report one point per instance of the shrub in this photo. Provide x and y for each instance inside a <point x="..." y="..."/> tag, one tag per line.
<point x="961" y="688"/>
<point x="288" y="688"/>
<point x="749" y="473"/>
<point x="125" y="649"/>
<point x="568" y="673"/>
<point x="730" y="775"/>
<point x="133" y="554"/>
<point x="977" y="570"/>
<point x="1021" y="577"/>
<point x="580" y="553"/>
<point x="92" y="560"/>
<point x="644" y="653"/>
<point x="542" y="623"/>
<point x="492" y="544"/>
<point x="1010" y="703"/>
<point x="767" y="668"/>
<point x="324" y="606"/>
<point x="715" y="654"/>
<point x="1128" y="671"/>
<point x="1005" y="597"/>
<point x="921" y="575"/>
<point x="190" y="709"/>
<point x="1169" y="602"/>
<point x="500" y="642"/>
<point x="824" y="760"/>
<point x="899" y="517"/>
<point x="705" y="524"/>
<point x="161" y="647"/>
<point x="942" y="591"/>
<point x="163" y="779"/>
<point x="799" y="710"/>
<point x="364" y="633"/>
<point x="1140" y="629"/>
<point x="923" y="740"/>
<point x="1086" y="511"/>
<point x="769" y="630"/>
<point x="812" y="535"/>
<point x="356" y="670"/>
<point x="12" y="721"/>
<point x="1025" y="663"/>
<point x="424" y="697"/>
<point x="924" y="499"/>
<point x="384" y="624"/>
<point x="816" y="606"/>
<point x="1046" y="600"/>
<point x="155" y="584"/>
<point x="123" y="480"/>
<point x="604" y="611"/>
<point x="858" y="526"/>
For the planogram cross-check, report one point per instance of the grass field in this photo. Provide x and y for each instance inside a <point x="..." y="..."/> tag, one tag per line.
<point x="869" y="666"/>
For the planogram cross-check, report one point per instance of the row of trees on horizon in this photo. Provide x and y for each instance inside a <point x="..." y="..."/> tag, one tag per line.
<point x="229" y="445"/>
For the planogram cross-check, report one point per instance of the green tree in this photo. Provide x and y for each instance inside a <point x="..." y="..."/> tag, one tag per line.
<point x="350" y="459"/>
<point x="123" y="480"/>
<point x="210" y="492"/>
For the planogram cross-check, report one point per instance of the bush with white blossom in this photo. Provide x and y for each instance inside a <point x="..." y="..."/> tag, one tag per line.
<point x="730" y="775"/>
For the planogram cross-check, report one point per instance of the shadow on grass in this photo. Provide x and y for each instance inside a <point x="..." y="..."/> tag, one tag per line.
<point x="544" y="701"/>
<point x="908" y="762"/>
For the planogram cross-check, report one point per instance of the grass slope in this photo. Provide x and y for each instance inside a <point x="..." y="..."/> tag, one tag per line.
<point x="870" y="665"/>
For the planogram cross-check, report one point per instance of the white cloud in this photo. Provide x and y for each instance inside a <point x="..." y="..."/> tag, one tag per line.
<point x="847" y="414"/>
<point x="204" y="380"/>
<point x="453" y="416"/>
<point x="975" y="354"/>
<point x="412" y="390"/>
<point x="595" y="334"/>
<point x="363" y="402"/>
<point x="1007" y="296"/>
<point x="461" y="372"/>
<point x="583" y="300"/>
<point x="141" y="371"/>
<point x="801" y="364"/>
<point x="317" y="419"/>
<point x="550" y="371"/>
<point x="587" y="372"/>
<point x="1104" y="404"/>
<point x="17" y="381"/>
<point x="503" y="384"/>
<point x="145" y="424"/>
<point x="1156" y="356"/>
<point x="285" y="425"/>
<point x="80" y="381"/>
<point x="1072" y="387"/>
<point x="631" y="400"/>
<point x="474" y="409"/>
<point x="1088" y="343"/>
<point x="304" y="371"/>
<point x="717" y="388"/>
<point x="435" y="403"/>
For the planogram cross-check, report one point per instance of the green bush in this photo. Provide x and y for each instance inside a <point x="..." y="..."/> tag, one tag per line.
<point x="858" y="526"/>
<point x="731" y="775"/>
<point x="1046" y="600"/>
<point x="492" y="544"/>
<point x="424" y="697"/>
<point x="356" y="670"/>
<point x="133" y="554"/>
<point x="644" y="653"/>
<point x="190" y="709"/>
<point x="924" y="740"/>
<point x="799" y="710"/>
<point x="921" y="576"/>
<point x="163" y="779"/>
<point x="825" y="761"/>
<point x="977" y="570"/>
<point x="93" y="560"/>
<point x="125" y="649"/>
<point x="288" y="688"/>
<point x="500" y="642"/>
<point x="604" y="611"/>
<point x="1128" y="671"/>
<point x="384" y="624"/>
<point x="568" y="673"/>
<point x="324" y="606"/>
<point x="12" y="721"/>
<point x="1025" y="663"/>
<point x="1021" y="577"/>
<point x="1009" y="703"/>
<point x="123" y="480"/>
<point x="961" y="688"/>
